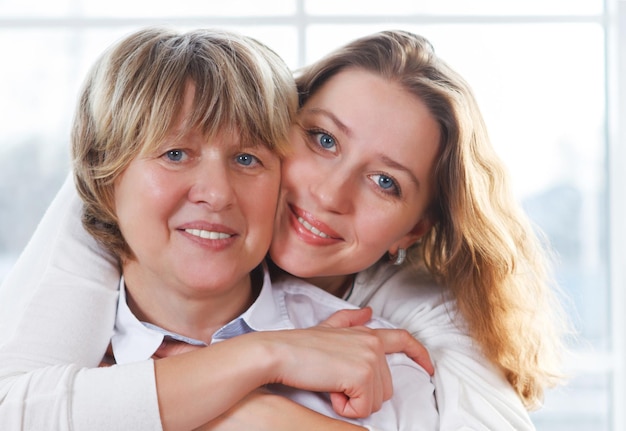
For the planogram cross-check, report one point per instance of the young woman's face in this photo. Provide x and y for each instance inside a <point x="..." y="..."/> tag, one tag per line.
<point x="359" y="179"/>
<point x="198" y="215"/>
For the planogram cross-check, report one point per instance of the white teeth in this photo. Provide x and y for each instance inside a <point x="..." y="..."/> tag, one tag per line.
<point x="207" y="234"/>
<point x="311" y="228"/>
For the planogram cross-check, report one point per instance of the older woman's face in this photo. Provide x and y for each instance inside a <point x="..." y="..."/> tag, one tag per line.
<point x="359" y="179"/>
<point x="198" y="214"/>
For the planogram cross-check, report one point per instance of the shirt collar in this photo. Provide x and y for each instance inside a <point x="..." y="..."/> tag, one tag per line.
<point x="134" y="340"/>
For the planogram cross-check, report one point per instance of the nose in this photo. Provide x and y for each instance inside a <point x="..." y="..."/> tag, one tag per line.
<point x="334" y="192"/>
<point x="212" y="186"/>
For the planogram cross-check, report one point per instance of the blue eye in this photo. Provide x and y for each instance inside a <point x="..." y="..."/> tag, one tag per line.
<point x="386" y="183"/>
<point x="175" y="155"/>
<point x="246" y="159"/>
<point x="326" y="141"/>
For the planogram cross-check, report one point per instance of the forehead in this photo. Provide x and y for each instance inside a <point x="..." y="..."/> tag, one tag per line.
<point x="366" y="103"/>
<point x="193" y="121"/>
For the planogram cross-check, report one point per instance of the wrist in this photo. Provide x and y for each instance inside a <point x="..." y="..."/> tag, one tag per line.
<point x="267" y="357"/>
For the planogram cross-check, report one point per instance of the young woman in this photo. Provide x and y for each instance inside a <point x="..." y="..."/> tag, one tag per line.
<point x="364" y="180"/>
<point x="391" y="157"/>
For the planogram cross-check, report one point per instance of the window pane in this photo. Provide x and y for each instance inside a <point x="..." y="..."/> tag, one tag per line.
<point x="454" y="7"/>
<point x="35" y="8"/>
<point x="582" y="405"/>
<point x="188" y="8"/>
<point x="145" y="8"/>
<point x="283" y="39"/>
<point x="38" y="91"/>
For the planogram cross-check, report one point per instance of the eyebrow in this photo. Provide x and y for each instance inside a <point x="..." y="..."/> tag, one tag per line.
<point x="319" y="111"/>
<point x="399" y="166"/>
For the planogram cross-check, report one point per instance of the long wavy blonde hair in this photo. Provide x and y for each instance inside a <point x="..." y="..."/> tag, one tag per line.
<point x="482" y="245"/>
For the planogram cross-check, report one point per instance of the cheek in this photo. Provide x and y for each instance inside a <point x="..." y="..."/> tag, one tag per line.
<point x="301" y="168"/>
<point x="289" y="176"/>
<point x="142" y="198"/>
<point x="380" y="226"/>
<point x="262" y="204"/>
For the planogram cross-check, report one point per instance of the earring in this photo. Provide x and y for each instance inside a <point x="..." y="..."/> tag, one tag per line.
<point x="400" y="257"/>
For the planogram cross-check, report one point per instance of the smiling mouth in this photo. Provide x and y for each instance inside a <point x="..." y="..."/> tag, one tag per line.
<point x="206" y="234"/>
<point x="312" y="228"/>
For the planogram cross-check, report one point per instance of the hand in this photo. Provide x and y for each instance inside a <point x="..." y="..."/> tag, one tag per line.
<point x="394" y="340"/>
<point x="347" y="361"/>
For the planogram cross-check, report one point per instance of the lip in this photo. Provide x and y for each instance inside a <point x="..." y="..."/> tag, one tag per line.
<point x="225" y="235"/>
<point x="305" y="234"/>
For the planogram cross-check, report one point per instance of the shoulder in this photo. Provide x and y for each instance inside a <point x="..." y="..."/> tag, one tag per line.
<point x="306" y="305"/>
<point x="309" y="305"/>
<point x="470" y="390"/>
<point x="409" y="298"/>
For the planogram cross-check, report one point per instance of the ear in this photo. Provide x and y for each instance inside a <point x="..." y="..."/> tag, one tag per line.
<point x="413" y="236"/>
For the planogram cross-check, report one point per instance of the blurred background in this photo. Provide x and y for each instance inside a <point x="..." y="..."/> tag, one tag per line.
<point x="550" y="76"/>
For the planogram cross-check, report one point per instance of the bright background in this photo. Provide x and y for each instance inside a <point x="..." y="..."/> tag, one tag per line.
<point x="549" y="75"/>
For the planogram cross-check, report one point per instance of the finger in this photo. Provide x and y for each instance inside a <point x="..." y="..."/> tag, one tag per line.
<point x="353" y="407"/>
<point x="386" y="381"/>
<point x="348" y="318"/>
<point x="401" y="341"/>
<point x="376" y="388"/>
<point x="339" y="401"/>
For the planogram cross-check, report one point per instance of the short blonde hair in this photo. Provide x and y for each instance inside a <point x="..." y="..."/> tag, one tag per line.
<point x="133" y="93"/>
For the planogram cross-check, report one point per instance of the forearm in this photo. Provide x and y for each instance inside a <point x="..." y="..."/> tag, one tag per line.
<point x="177" y="393"/>
<point x="196" y="387"/>
<point x="192" y="388"/>
<point x="66" y="397"/>
<point x="263" y="411"/>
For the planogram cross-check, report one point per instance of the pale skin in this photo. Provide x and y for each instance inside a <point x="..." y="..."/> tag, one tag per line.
<point x="363" y="200"/>
<point x="163" y="202"/>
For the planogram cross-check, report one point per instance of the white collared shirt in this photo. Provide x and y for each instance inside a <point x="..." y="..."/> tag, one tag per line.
<point x="288" y="304"/>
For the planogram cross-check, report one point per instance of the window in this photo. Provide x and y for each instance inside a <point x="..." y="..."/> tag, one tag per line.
<point x="548" y="75"/>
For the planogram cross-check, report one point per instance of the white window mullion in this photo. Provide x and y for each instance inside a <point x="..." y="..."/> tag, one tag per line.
<point x="616" y="134"/>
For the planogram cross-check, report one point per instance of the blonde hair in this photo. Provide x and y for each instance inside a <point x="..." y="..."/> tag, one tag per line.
<point x="133" y="93"/>
<point x="481" y="246"/>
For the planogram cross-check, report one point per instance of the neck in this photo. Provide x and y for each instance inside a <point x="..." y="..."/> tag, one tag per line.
<point x="337" y="285"/>
<point x="193" y="312"/>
